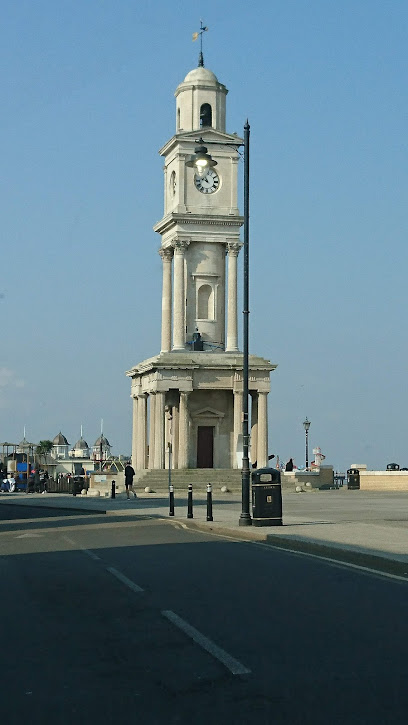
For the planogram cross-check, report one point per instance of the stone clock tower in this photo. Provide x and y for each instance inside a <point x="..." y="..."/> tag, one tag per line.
<point x="188" y="398"/>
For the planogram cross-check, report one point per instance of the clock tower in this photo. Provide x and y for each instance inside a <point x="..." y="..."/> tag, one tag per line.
<point x="188" y="399"/>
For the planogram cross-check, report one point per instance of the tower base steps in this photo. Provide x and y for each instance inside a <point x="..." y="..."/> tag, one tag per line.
<point x="158" y="480"/>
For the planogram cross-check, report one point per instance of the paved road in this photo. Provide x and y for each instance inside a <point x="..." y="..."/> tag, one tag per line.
<point x="90" y="629"/>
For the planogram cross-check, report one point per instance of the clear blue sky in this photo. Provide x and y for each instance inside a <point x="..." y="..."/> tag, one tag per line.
<point x="87" y="101"/>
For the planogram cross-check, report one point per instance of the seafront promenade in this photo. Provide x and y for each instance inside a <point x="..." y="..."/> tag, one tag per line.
<point x="361" y="528"/>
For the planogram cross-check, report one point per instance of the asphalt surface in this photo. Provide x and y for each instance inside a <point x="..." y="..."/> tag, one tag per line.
<point x="361" y="528"/>
<point x="92" y="606"/>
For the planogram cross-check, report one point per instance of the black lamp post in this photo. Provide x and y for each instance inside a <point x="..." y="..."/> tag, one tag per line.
<point x="201" y="160"/>
<point x="306" y="425"/>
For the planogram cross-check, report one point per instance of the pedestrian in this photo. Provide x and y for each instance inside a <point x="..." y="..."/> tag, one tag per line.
<point x="37" y="481"/>
<point x="255" y="463"/>
<point x="129" y="473"/>
<point x="289" y="465"/>
<point x="10" y="483"/>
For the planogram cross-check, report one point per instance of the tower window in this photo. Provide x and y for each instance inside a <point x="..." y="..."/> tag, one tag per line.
<point x="205" y="302"/>
<point x="178" y="119"/>
<point x="205" y="115"/>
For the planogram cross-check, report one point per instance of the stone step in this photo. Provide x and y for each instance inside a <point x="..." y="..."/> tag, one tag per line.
<point x="158" y="479"/>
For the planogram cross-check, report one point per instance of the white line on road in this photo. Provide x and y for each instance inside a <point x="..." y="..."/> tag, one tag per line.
<point x="89" y="553"/>
<point x="230" y="662"/>
<point x="335" y="562"/>
<point x="131" y="585"/>
<point x="325" y="559"/>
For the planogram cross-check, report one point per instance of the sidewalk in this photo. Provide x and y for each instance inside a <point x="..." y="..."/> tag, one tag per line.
<point x="359" y="527"/>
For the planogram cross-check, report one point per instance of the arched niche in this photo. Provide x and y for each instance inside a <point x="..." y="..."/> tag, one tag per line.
<point x="205" y="302"/>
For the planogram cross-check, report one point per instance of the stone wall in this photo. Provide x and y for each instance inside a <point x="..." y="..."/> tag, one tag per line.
<point x="323" y="477"/>
<point x="384" y="480"/>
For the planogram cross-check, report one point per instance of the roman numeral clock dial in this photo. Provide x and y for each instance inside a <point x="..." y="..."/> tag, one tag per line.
<point x="208" y="183"/>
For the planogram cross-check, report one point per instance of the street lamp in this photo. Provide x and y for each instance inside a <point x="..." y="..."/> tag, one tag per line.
<point x="169" y="416"/>
<point x="201" y="161"/>
<point x="306" y="425"/>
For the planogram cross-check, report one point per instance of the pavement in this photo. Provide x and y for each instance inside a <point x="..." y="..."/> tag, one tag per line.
<point x="359" y="528"/>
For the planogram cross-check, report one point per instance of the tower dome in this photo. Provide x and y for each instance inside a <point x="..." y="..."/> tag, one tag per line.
<point x="202" y="75"/>
<point x="102" y="440"/>
<point x="200" y="100"/>
<point x="81" y="445"/>
<point x="60" y="440"/>
<point x="60" y="446"/>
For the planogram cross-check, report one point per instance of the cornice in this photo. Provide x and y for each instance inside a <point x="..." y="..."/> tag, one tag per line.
<point x="221" y="220"/>
<point x="190" y="137"/>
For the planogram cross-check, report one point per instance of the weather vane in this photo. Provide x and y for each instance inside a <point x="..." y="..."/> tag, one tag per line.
<point x="197" y="35"/>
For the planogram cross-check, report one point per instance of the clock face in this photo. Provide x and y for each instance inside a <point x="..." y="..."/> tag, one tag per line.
<point x="208" y="183"/>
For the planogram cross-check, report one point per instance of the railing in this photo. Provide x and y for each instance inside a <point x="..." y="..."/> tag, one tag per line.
<point x="339" y="479"/>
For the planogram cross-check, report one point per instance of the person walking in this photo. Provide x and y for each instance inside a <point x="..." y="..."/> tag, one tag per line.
<point x="129" y="473"/>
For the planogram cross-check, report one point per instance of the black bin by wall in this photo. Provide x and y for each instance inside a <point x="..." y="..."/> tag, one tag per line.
<point x="353" y="479"/>
<point x="266" y="497"/>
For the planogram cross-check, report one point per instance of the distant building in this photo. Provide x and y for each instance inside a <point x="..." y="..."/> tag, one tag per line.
<point x="60" y="447"/>
<point x="80" y="449"/>
<point x="101" y="449"/>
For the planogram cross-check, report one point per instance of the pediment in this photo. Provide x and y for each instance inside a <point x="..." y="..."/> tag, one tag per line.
<point x="208" y="413"/>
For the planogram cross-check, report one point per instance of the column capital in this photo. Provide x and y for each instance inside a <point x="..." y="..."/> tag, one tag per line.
<point x="180" y="245"/>
<point x="233" y="248"/>
<point x="166" y="253"/>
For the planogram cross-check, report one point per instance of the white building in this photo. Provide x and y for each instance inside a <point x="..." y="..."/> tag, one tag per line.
<point x="80" y="449"/>
<point x="60" y="447"/>
<point x="191" y="393"/>
<point x="101" y="449"/>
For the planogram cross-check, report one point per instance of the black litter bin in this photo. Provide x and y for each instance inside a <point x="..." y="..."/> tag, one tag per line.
<point x="77" y="485"/>
<point x="393" y="467"/>
<point x="353" y="479"/>
<point x="266" y="497"/>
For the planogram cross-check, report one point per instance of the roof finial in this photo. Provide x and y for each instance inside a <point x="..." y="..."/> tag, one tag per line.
<point x="197" y="35"/>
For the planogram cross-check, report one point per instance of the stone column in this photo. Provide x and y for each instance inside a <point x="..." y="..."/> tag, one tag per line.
<point x="179" y="324"/>
<point x="232" y="320"/>
<point x="135" y="434"/>
<point x="159" y="430"/>
<point x="167" y="256"/>
<point x="262" y="429"/>
<point x="238" y="398"/>
<point x="152" y="429"/>
<point x="254" y="428"/>
<point x="183" y="431"/>
<point x="175" y="435"/>
<point x="142" y="432"/>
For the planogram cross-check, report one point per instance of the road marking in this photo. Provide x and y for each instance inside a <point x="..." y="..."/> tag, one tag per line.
<point x="29" y="536"/>
<point x="177" y="524"/>
<point x="89" y="553"/>
<point x="230" y="662"/>
<point x="131" y="585"/>
<point x="336" y="562"/>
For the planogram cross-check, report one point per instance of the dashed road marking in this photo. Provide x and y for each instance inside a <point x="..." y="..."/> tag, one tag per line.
<point x="207" y="644"/>
<point x="88" y="552"/>
<point x="122" y="578"/>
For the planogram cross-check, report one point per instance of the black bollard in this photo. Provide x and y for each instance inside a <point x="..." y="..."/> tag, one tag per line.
<point x="190" y="501"/>
<point x="171" y="498"/>
<point x="113" y="493"/>
<point x="209" y="502"/>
